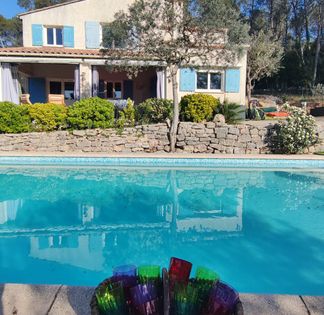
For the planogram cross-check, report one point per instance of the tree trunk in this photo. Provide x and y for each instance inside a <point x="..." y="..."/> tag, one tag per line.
<point x="175" y="120"/>
<point x="248" y="87"/>
<point x="306" y="15"/>
<point x="318" y="49"/>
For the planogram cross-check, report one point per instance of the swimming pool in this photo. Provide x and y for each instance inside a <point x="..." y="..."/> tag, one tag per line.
<point x="258" y="223"/>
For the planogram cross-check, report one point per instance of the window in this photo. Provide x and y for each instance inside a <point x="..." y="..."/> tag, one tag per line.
<point x="63" y="87"/>
<point x="114" y="90"/>
<point x="209" y="81"/>
<point x="202" y="81"/>
<point x="54" y="36"/>
<point x="69" y="91"/>
<point x="55" y="87"/>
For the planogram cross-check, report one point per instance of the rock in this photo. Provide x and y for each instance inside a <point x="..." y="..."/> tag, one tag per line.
<point x="78" y="133"/>
<point x="219" y="119"/>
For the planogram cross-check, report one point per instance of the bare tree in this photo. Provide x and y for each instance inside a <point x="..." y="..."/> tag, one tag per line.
<point x="264" y="59"/>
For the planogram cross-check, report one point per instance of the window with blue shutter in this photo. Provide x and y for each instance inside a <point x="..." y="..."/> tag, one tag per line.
<point x="187" y="80"/>
<point x="92" y="35"/>
<point x="68" y="36"/>
<point x="232" y="81"/>
<point x="37" y="35"/>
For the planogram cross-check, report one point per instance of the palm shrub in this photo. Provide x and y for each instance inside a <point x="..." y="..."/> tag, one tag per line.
<point x="296" y="133"/>
<point x="91" y="113"/>
<point x="48" y="117"/>
<point x="231" y="111"/>
<point x="14" y="118"/>
<point x="198" y="107"/>
<point x="153" y="111"/>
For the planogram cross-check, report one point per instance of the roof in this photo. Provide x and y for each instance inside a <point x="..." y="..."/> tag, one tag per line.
<point x="50" y="52"/>
<point x="50" y="7"/>
<point x="61" y="52"/>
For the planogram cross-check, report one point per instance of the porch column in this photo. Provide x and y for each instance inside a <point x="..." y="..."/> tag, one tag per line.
<point x="77" y="83"/>
<point x="85" y="80"/>
<point x="1" y="97"/>
<point x="95" y="81"/>
<point x="161" y="84"/>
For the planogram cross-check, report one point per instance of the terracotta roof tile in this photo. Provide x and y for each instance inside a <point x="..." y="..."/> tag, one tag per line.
<point x="50" y="51"/>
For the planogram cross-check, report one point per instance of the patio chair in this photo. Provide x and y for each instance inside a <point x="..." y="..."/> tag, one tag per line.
<point x="25" y="99"/>
<point x="56" y="99"/>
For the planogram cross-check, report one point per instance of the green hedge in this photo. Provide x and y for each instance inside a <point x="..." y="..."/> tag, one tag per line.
<point x="14" y="118"/>
<point x="91" y="113"/>
<point x="153" y="111"/>
<point x="48" y="117"/>
<point x="198" y="107"/>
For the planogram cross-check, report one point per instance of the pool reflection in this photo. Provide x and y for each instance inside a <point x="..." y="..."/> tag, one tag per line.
<point x="71" y="226"/>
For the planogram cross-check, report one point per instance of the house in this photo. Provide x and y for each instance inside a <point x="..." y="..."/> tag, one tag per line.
<point x="61" y="55"/>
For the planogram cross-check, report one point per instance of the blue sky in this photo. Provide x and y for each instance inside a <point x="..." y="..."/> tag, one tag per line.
<point x="9" y="8"/>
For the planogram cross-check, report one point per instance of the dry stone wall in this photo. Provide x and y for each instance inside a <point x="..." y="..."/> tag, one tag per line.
<point x="192" y="138"/>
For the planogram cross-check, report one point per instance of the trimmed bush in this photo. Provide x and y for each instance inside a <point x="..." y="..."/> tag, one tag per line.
<point x="91" y="113"/>
<point x="297" y="133"/>
<point x="14" y="118"/>
<point x="153" y="111"/>
<point x="198" y="107"/>
<point x="48" y="117"/>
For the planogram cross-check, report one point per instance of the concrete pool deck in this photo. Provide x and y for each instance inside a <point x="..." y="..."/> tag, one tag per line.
<point x="63" y="300"/>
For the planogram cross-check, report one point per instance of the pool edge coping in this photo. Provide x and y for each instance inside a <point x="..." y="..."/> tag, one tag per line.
<point x="161" y="155"/>
<point x="60" y="299"/>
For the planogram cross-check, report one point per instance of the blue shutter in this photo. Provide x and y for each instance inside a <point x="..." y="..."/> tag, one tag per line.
<point x="37" y="90"/>
<point x="232" y="81"/>
<point x="92" y="35"/>
<point x="37" y="34"/>
<point x="187" y="80"/>
<point x="68" y="36"/>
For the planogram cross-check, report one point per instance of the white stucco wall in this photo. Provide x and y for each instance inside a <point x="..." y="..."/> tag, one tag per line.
<point x="239" y="98"/>
<point x="74" y="14"/>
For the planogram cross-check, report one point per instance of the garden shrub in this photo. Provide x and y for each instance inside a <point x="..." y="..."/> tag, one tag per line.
<point x="48" y="117"/>
<point x="14" y="118"/>
<point x="198" y="107"/>
<point x="91" y="113"/>
<point x="126" y="116"/>
<point x="153" y="111"/>
<point x="296" y="133"/>
<point x="231" y="111"/>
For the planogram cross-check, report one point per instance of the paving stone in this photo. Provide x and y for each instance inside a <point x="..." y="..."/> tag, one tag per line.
<point x="272" y="305"/>
<point x="315" y="304"/>
<point x="26" y="299"/>
<point x="72" y="301"/>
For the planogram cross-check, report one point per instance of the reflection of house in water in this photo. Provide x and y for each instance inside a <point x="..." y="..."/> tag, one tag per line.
<point x="91" y="238"/>
<point x="8" y="210"/>
<point x="202" y="220"/>
<point x="84" y="251"/>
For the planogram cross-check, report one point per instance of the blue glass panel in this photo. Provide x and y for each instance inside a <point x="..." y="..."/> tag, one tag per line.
<point x="215" y="81"/>
<point x="50" y="36"/>
<point x="59" y="36"/>
<point x="202" y="80"/>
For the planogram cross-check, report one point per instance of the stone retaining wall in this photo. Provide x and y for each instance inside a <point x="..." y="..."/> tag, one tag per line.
<point x="192" y="138"/>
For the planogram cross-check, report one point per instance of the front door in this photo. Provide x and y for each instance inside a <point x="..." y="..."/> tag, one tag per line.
<point x="37" y="90"/>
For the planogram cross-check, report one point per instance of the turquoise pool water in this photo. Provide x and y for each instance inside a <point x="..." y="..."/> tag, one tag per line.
<point x="261" y="229"/>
